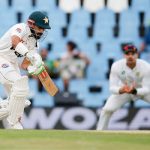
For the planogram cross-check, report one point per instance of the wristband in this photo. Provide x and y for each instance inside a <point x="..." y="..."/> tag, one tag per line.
<point x="21" y="49"/>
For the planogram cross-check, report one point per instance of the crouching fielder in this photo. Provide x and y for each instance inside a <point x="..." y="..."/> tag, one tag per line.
<point x="129" y="80"/>
<point x="21" y="40"/>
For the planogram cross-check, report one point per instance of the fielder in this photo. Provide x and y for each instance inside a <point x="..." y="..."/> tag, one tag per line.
<point x="129" y="80"/>
<point x="21" y="40"/>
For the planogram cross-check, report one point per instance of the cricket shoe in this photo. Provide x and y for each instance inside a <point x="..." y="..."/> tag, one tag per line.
<point x="17" y="125"/>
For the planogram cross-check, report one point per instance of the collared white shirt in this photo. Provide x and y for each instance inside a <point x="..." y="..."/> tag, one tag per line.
<point x="21" y="30"/>
<point x="121" y="74"/>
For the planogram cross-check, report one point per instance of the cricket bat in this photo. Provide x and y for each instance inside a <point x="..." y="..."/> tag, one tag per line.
<point x="47" y="82"/>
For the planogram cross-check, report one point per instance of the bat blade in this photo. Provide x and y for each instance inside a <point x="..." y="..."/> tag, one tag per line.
<point x="48" y="83"/>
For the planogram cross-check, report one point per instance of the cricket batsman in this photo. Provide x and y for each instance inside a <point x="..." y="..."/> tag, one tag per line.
<point x="21" y="40"/>
<point x="129" y="80"/>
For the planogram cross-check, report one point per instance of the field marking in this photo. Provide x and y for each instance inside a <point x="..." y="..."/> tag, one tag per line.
<point x="121" y="131"/>
<point x="90" y="131"/>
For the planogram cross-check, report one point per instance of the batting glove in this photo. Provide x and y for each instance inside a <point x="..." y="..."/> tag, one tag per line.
<point x="32" y="70"/>
<point x="35" y="59"/>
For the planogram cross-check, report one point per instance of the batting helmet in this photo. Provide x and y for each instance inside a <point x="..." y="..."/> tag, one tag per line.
<point x="40" y="19"/>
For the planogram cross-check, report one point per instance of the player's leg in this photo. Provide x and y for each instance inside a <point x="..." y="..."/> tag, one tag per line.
<point x="3" y="109"/>
<point x="5" y="67"/>
<point x="66" y="76"/>
<point x="3" y="113"/>
<point x="4" y="103"/>
<point x="19" y="90"/>
<point x="113" y="103"/>
<point x="17" y="99"/>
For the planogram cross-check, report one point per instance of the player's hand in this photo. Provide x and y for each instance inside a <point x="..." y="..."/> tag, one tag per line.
<point x="125" y="89"/>
<point x="133" y="90"/>
<point x="32" y="70"/>
<point x="35" y="59"/>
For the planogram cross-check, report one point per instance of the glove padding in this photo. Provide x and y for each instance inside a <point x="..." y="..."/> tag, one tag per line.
<point x="33" y="70"/>
<point x="35" y="59"/>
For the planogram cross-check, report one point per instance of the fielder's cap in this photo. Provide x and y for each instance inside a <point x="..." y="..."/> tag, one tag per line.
<point x="129" y="48"/>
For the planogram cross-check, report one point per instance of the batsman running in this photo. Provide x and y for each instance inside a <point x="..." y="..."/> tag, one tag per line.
<point x="129" y="80"/>
<point x="21" y="40"/>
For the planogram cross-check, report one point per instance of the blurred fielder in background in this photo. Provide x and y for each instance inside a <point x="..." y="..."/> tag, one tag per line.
<point x="129" y="80"/>
<point x="73" y="64"/>
<point x="21" y="40"/>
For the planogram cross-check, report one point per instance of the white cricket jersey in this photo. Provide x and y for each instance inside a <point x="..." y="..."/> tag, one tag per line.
<point x="121" y="74"/>
<point x="21" y="30"/>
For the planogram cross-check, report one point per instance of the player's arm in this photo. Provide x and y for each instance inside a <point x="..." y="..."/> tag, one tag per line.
<point x="25" y="63"/>
<point x="85" y="58"/>
<point x="145" y="89"/>
<point x="18" y="46"/>
<point x="30" y="57"/>
<point x="114" y="80"/>
<point x="15" y="41"/>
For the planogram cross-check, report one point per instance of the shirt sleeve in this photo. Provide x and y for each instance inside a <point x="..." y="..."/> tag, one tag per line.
<point x="145" y="88"/>
<point x="114" y="80"/>
<point x="18" y="30"/>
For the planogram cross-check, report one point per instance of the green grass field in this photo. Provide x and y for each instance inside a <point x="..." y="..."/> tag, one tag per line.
<point x="74" y="140"/>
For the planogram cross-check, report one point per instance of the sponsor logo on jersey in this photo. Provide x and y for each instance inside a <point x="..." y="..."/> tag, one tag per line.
<point x="5" y="65"/>
<point x="18" y="30"/>
<point x="17" y="54"/>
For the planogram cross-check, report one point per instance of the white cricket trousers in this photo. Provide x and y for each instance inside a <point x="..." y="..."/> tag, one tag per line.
<point x="17" y="87"/>
<point x="113" y="103"/>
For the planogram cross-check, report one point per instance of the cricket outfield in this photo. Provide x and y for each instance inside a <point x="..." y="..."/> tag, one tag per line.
<point x="74" y="140"/>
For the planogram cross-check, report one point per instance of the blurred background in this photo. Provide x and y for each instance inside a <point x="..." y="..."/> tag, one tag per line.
<point x="86" y="37"/>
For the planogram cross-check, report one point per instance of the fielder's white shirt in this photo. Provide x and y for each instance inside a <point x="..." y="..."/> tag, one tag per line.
<point x="21" y="30"/>
<point x="121" y="74"/>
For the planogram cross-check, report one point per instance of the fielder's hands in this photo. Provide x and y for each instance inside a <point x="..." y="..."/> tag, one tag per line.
<point x="128" y="89"/>
<point x="124" y="89"/>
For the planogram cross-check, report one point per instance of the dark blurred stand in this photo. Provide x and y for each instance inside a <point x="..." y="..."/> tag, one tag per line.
<point x="67" y="99"/>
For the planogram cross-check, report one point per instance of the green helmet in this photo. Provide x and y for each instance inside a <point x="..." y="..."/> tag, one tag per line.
<point x="40" y="19"/>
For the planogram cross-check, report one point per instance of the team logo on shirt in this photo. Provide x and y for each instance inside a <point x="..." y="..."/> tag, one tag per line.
<point x="18" y="30"/>
<point x="5" y="65"/>
<point x="123" y="72"/>
<point x="137" y="74"/>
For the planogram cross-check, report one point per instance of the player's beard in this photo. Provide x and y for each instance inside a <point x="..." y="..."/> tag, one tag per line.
<point x="38" y="35"/>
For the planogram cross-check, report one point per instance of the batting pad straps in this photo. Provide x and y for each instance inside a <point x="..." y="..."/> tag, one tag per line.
<point x="21" y="49"/>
